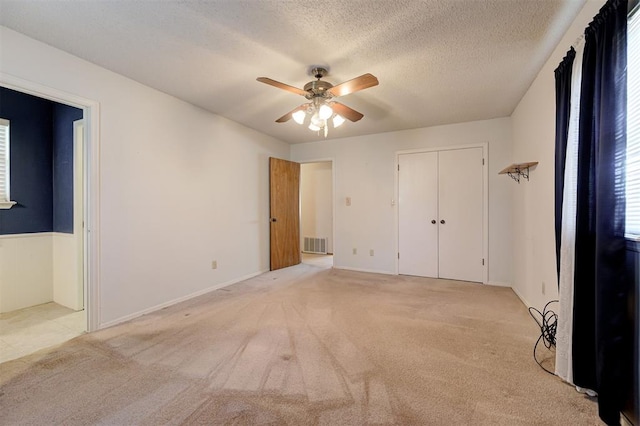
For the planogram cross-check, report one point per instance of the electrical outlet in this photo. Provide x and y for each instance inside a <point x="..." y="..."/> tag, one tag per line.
<point x="355" y="251"/>
<point x="371" y="252"/>
<point x="214" y="264"/>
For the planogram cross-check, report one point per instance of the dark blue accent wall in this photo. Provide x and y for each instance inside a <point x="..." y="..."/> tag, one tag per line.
<point x="31" y="158"/>
<point x="63" y="118"/>
<point x="41" y="164"/>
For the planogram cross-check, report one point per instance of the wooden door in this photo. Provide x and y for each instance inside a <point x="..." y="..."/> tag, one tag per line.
<point x="461" y="200"/>
<point x="418" y="214"/>
<point x="284" y="205"/>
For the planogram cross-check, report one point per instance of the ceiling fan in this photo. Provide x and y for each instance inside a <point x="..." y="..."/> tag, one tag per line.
<point x="321" y="108"/>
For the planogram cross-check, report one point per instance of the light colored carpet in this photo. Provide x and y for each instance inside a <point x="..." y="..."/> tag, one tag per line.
<point x="304" y="346"/>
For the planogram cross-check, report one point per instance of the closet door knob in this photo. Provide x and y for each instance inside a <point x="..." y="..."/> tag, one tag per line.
<point x="442" y="221"/>
<point x="433" y="221"/>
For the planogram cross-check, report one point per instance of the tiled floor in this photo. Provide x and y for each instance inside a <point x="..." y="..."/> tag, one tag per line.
<point x="28" y="330"/>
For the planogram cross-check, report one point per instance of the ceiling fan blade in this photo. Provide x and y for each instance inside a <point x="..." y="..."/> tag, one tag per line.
<point x="282" y="86"/>
<point x="346" y="112"/>
<point x="288" y="115"/>
<point x="359" y="83"/>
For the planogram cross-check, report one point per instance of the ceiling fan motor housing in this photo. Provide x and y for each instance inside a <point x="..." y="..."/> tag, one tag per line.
<point x="318" y="71"/>
<point x="317" y="88"/>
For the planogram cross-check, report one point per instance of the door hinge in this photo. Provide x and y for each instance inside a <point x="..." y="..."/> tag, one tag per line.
<point x="398" y="255"/>
<point x="482" y="262"/>
<point x="483" y="161"/>
<point x="398" y="167"/>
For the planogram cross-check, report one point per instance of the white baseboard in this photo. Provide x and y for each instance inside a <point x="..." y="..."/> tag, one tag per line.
<point x="498" y="284"/>
<point x="371" y="271"/>
<point x="28" y="235"/>
<point x="522" y="299"/>
<point x="178" y="300"/>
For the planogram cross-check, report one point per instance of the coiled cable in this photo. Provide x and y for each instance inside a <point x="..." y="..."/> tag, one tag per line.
<point x="547" y="320"/>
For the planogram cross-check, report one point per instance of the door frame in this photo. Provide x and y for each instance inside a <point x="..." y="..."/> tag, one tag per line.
<point x="79" y="206"/>
<point x="91" y="179"/>
<point x="333" y="199"/>
<point x="485" y="199"/>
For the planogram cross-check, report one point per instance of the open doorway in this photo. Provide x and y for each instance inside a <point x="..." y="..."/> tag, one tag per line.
<point x="316" y="213"/>
<point x="43" y="285"/>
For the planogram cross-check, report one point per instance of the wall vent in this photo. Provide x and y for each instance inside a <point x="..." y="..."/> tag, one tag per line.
<point x="315" y="245"/>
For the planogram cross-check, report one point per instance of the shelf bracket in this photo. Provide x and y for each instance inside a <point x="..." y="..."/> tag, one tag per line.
<point x="518" y="171"/>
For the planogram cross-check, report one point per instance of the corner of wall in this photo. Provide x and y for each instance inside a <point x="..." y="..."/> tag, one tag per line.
<point x="533" y="127"/>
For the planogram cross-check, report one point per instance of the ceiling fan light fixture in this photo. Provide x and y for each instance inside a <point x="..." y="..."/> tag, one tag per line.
<point x="313" y="127"/>
<point x="325" y="112"/>
<point x="299" y="116"/>
<point x="317" y="121"/>
<point x="338" y="120"/>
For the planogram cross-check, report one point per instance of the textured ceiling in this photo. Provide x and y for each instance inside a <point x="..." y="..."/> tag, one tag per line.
<point x="438" y="61"/>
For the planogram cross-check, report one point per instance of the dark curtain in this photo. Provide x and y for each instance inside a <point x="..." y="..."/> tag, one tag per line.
<point x="563" y="107"/>
<point x="600" y="338"/>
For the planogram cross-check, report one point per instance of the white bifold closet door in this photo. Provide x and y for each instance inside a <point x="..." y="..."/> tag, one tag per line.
<point x="440" y="214"/>
<point x="418" y="214"/>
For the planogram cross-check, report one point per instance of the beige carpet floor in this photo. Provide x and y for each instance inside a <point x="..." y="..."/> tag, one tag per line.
<point x="304" y="346"/>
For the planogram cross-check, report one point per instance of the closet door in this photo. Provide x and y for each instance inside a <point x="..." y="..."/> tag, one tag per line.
<point x="417" y="209"/>
<point x="460" y="190"/>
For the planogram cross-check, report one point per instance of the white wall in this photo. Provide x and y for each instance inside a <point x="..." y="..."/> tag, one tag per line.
<point x="533" y="202"/>
<point x="67" y="285"/>
<point x="39" y="268"/>
<point x="179" y="187"/>
<point x="26" y="270"/>
<point x="365" y="171"/>
<point x="316" y="202"/>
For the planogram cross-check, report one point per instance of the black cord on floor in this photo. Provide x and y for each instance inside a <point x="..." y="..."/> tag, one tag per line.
<point x="547" y="320"/>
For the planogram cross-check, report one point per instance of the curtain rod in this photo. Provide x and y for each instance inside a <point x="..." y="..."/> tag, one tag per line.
<point x="578" y="41"/>
<point x="633" y="6"/>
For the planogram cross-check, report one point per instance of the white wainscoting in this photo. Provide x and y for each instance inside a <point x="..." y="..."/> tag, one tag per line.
<point x="67" y="281"/>
<point x="40" y="268"/>
<point x="26" y="270"/>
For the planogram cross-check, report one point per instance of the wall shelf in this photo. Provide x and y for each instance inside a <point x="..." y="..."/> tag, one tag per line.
<point x="518" y="170"/>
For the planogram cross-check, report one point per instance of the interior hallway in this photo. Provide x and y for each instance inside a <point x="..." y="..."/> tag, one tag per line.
<point x="324" y="260"/>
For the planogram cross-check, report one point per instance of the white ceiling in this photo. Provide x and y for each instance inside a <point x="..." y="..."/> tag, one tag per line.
<point x="438" y="61"/>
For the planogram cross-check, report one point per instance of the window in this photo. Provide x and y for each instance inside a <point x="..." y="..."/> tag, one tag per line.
<point x="633" y="127"/>
<point x="5" y="201"/>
